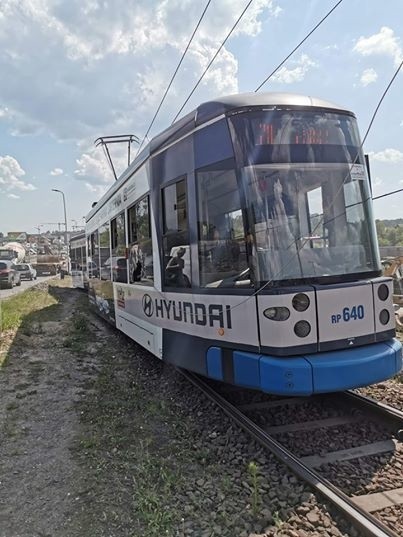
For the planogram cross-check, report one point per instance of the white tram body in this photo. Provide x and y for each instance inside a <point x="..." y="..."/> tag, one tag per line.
<point x="240" y="244"/>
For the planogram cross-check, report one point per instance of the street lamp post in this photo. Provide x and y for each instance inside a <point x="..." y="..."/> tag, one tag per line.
<point x="65" y="232"/>
<point x="65" y="216"/>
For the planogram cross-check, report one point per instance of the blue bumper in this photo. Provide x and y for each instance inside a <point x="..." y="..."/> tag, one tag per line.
<point x="311" y="373"/>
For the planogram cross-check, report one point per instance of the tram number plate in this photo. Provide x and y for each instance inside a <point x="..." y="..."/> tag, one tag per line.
<point x="348" y="314"/>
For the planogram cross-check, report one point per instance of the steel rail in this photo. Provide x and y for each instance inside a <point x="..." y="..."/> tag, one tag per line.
<point x="362" y="520"/>
<point x="393" y="415"/>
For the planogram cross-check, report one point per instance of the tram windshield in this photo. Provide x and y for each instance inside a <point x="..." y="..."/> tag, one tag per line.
<point x="308" y="203"/>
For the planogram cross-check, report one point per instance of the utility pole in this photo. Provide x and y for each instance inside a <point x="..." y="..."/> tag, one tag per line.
<point x="65" y="218"/>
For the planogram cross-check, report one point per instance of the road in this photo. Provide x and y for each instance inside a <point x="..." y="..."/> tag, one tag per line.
<point x="25" y="284"/>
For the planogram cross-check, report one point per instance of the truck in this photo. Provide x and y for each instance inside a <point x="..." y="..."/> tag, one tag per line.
<point x="46" y="261"/>
<point x="13" y="251"/>
<point x="47" y="264"/>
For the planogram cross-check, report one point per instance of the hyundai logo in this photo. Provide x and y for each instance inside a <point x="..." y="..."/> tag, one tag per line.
<point x="148" y="306"/>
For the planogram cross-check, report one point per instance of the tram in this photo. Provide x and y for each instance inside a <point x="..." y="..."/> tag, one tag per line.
<point x="240" y="244"/>
<point x="78" y="261"/>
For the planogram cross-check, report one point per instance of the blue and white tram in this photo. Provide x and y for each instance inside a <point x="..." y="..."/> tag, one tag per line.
<point x="240" y="244"/>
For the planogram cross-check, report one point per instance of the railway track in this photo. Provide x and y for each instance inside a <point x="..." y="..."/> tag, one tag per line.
<point x="326" y="441"/>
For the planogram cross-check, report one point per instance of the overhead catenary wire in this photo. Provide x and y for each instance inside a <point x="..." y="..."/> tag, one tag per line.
<point x="173" y="76"/>
<point x="387" y="194"/>
<point x="212" y="60"/>
<point x="298" y="46"/>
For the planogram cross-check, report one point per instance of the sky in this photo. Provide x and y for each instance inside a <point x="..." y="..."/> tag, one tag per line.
<point x="71" y="71"/>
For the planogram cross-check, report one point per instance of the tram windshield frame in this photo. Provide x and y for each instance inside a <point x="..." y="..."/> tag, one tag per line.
<point x="308" y="206"/>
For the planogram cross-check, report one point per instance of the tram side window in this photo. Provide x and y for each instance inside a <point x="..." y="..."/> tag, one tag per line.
<point x="93" y="257"/>
<point x="140" y="243"/>
<point x="83" y="258"/>
<point x="118" y="258"/>
<point x="80" y="259"/>
<point x="222" y="246"/>
<point x="104" y="253"/>
<point x="176" y="248"/>
<point x="73" y="257"/>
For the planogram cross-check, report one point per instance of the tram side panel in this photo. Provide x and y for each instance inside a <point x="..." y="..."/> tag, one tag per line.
<point x="143" y="313"/>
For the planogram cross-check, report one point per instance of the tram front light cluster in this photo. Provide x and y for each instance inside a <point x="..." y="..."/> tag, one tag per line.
<point x="383" y="292"/>
<point x="384" y="317"/>
<point x="280" y="313"/>
<point x="300" y="302"/>
<point x="302" y="328"/>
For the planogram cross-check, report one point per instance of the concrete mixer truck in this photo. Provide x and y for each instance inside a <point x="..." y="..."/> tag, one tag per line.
<point x="13" y="251"/>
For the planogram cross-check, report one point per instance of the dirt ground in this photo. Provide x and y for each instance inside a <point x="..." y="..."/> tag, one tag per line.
<point x="49" y="382"/>
<point x="38" y="387"/>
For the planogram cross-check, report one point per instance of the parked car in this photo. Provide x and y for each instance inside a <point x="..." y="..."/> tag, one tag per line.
<point x="9" y="276"/>
<point x="27" y="272"/>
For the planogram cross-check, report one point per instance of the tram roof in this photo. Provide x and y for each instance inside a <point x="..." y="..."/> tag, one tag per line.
<point x="208" y="111"/>
<point x="212" y="109"/>
<point x="77" y="236"/>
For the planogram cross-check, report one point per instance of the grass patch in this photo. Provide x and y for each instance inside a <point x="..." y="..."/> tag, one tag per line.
<point x="254" y="479"/>
<point x="79" y="335"/>
<point x="127" y="451"/>
<point x="14" y="310"/>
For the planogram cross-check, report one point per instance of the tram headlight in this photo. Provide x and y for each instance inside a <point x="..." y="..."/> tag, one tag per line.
<point x="383" y="292"/>
<point x="280" y="313"/>
<point x="384" y="317"/>
<point x="300" y="302"/>
<point x="302" y="328"/>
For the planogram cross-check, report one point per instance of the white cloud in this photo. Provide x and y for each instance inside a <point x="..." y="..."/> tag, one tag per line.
<point x="251" y="22"/>
<point x="94" y="169"/>
<point x="13" y="196"/>
<point x="223" y="73"/>
<point x="11" y="174"/>
<point x="93" y="166"/>
<point x="392" y="156"/>
<point x="383" y="43"/>
<point x="368" y="76"/>
<point x="4" y="112"/>
<point x="64" y="91"/>
<point x="290" y="76"/>
<point x="56" y="171"/>
<point x="377" y="181"/>
<point x="98" y="190"/>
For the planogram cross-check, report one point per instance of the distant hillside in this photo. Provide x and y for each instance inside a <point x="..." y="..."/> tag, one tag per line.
<point x="392" y="223"/>
<point x="390" y="232"/>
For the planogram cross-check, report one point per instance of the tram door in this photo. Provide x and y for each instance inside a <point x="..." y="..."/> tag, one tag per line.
<point x="176" y="268"/>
